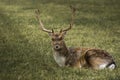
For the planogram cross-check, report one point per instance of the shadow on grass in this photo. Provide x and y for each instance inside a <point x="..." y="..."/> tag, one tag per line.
<point x="19" y="57"/>
<point x="9" y="42"/>
<point x="15" y="51"/>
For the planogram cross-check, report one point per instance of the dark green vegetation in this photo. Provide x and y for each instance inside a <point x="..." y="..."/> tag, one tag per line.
<point x="26" y="52"/>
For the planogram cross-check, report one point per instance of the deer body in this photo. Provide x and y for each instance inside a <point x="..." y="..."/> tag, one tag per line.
<point x="84" y="57"/>
<point x="76" y="57"/>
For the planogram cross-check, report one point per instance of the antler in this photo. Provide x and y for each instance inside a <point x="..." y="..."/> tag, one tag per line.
<point x="41" y="24"/>
<point x="71" y="23"/>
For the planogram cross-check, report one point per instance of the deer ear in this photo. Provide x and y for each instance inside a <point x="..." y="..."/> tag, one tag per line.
<point x="51" y="33"/>
<point x="62" y="32"/>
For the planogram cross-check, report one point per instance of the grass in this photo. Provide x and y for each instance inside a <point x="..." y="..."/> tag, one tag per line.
<point x="26" y="52"/>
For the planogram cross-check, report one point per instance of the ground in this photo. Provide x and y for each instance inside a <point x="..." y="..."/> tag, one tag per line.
<point x="26" y="51"/>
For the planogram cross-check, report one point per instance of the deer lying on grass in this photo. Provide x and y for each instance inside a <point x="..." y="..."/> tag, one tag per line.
<point x="76" y="57"/>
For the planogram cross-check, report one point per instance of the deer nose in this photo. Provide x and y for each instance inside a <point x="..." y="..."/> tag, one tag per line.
<point x="56" y="46"/>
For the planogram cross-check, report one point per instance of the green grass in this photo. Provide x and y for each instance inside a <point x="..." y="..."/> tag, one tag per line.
<point x="26" y="52"/>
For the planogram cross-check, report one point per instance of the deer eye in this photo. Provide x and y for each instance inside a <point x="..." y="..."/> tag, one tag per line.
<point x="53" y="39"/>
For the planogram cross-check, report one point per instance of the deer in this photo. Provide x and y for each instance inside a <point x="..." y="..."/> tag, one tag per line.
<point x="75" y="56"/>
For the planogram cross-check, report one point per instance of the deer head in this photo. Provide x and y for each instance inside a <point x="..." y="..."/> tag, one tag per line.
<point x="57" y="37"/>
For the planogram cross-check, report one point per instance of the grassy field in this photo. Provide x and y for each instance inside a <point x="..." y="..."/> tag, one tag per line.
<point x="26" y="52"/>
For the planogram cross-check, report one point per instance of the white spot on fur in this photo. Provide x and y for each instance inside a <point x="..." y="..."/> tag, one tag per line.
<point x="102" y="66"/>
<point x="80" y="66"/>
<point x="60" y="60"/>
<point x="112" y="66"/>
